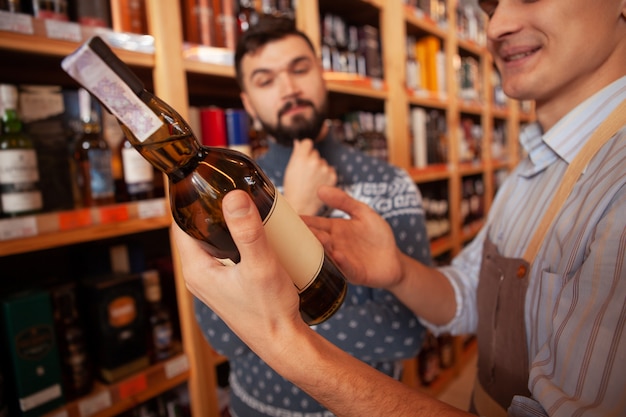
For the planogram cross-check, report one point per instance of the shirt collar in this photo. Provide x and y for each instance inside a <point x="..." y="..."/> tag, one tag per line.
<point x="566" y="138"/>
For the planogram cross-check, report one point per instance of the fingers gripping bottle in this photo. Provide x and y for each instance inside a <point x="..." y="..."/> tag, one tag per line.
<point x="199" y="177"/>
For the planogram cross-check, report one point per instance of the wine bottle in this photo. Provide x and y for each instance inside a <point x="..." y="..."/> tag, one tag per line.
<point x="76" y="362"/>
<point x="93" y="158"/>
<point x="20" y="191"/>
<point x="200" y="176"/>
<point x="161" y="330"/>
<point x="138" y="174"/>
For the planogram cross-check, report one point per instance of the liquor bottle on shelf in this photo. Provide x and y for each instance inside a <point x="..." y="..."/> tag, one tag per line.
<point x="447" y="355"/>
<point x="92" y="12"/>
<point x="129" y="16"/>
<point x="247" y="16"/>
<point x="93" y="158"/>
<point x="12" y="6"/>
<point x="428" y="360"/>
<point x="161" y="330"/>
<point x="138" y="174"/>
<point x="76" y="364"/>
<point x="20" y="191"/>
<point x="199" y="177"/>
<point x="50" y="9"/>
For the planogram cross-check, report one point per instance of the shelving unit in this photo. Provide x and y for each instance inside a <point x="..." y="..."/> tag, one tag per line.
<point x="180" y="75"/>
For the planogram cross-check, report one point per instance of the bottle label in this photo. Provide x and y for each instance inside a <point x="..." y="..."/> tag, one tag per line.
<point x="18" y="165"/>
<point x="101" y="173"/>
<point x="136" y="168"/>
<point x="20" y="202"/>
<point x="298" y="250"/>
<point x="94" y="74"/>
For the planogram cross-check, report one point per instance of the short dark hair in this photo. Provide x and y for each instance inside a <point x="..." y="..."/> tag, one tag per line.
<point x="268" y="29"/>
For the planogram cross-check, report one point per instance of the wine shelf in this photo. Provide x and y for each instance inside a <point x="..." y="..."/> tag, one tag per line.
<point x="108" y="400"/>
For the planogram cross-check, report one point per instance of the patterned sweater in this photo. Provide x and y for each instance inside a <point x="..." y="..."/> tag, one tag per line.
<point x="371" y="325"/>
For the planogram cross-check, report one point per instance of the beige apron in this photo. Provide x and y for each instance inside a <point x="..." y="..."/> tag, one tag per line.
<point x="503" y="366"/>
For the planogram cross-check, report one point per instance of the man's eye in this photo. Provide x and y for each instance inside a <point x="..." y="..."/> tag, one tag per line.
<point x="489" y="7"/>
<point x="263" y="81"/>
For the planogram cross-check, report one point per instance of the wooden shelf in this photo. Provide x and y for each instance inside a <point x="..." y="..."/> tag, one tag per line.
<point x="50" y="230"/>
<point x="108" y="400"/>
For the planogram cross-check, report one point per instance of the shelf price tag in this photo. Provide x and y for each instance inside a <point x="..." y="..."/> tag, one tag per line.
<point x="176" y="366"/>
<point x="113" y="214"/>
<point x="133" y="386"/>
<point x="67" y="31"/>
<point x="18" y="228"/>
<point x="75" y="219"/>
<point x="377" y="84"/>
<point x="95" y="403"/>
<point x="16" y="22"/>
<point x="151" y="208"/>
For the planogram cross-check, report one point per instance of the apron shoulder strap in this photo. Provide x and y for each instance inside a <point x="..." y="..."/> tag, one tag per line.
<point x="609" y="127"/>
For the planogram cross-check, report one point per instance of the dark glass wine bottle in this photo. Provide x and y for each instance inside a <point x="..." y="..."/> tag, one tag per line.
<point x="200" y="176"/>
<point x="161" y="329"/>
<point x="93" y="158"/>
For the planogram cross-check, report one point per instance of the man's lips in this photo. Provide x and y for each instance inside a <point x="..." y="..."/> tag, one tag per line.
<point x="511" y="55"/>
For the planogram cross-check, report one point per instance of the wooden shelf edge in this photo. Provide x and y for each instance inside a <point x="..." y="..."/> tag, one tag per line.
<point x="41" y="44"/>
<point x="50" y="230"/>
<point x="108" y="400"/>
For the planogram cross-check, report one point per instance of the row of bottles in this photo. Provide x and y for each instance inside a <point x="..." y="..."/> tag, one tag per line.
<point x="437" y="353"/>
<point x="172" y="403"/>
<point x="67" y="153"/>
<point x="61" y="337"/>
<point x="218" y="23"/>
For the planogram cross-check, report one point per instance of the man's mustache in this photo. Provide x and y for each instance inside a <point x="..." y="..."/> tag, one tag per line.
<point x="290" y="104"/>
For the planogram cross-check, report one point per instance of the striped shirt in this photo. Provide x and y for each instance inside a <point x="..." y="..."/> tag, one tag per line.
<point x="575" y="307"/>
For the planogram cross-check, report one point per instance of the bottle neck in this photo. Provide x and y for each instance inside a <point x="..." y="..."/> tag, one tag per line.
<point x="11" y="122"/>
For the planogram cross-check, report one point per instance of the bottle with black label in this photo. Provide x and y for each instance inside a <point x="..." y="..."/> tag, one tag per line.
<point x="200" y="176"/>
<point x="20" y="192"/>
<point x="76" y="363"/>
<point x="93" y="157"/>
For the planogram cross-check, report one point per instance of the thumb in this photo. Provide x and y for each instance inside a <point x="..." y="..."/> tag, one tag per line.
<point x="244" y="224"/>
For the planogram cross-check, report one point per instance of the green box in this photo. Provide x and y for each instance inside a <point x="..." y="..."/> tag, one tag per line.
<point x="31" y="349"/>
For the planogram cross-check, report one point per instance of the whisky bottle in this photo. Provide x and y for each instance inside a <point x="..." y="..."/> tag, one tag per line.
<point x="93" y="158"/>
<point x="200" y="176"/>
<point x="76" y="363"/>
<point x="161" y="330"/>
<point x="137" y="173"/>
<point x="19" y="171"/>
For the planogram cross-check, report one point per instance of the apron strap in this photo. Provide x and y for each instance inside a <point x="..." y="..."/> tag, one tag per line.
<point x="609" y="127"/>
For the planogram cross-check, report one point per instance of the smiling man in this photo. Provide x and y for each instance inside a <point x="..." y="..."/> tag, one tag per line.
<point x="543" y="285"/>
<point x="283" y="88"/>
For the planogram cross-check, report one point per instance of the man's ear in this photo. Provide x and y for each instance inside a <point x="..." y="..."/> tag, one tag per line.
<point x="246" y="105"/>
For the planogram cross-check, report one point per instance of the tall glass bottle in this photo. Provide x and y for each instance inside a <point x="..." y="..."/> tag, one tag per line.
<point x="200" y="176"/>
<point x="19" y="171"/>
<point x="161" y="330"/>
<point x="76" y="363"/>
<point x="93" y="158"/>
<point x="137" y="173"/>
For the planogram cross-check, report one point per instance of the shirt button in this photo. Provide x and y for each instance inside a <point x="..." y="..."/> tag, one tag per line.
<point x="521" y="271"/>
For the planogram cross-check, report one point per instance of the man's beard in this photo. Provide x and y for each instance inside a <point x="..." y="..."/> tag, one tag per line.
<point x="301" y="127"/>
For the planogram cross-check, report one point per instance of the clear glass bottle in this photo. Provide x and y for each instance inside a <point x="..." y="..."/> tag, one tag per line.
<point x="93" y="158"/>
<point x="161" y="330"/>
<point x="20" y="192"/>
<point x="200" y="176"/>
